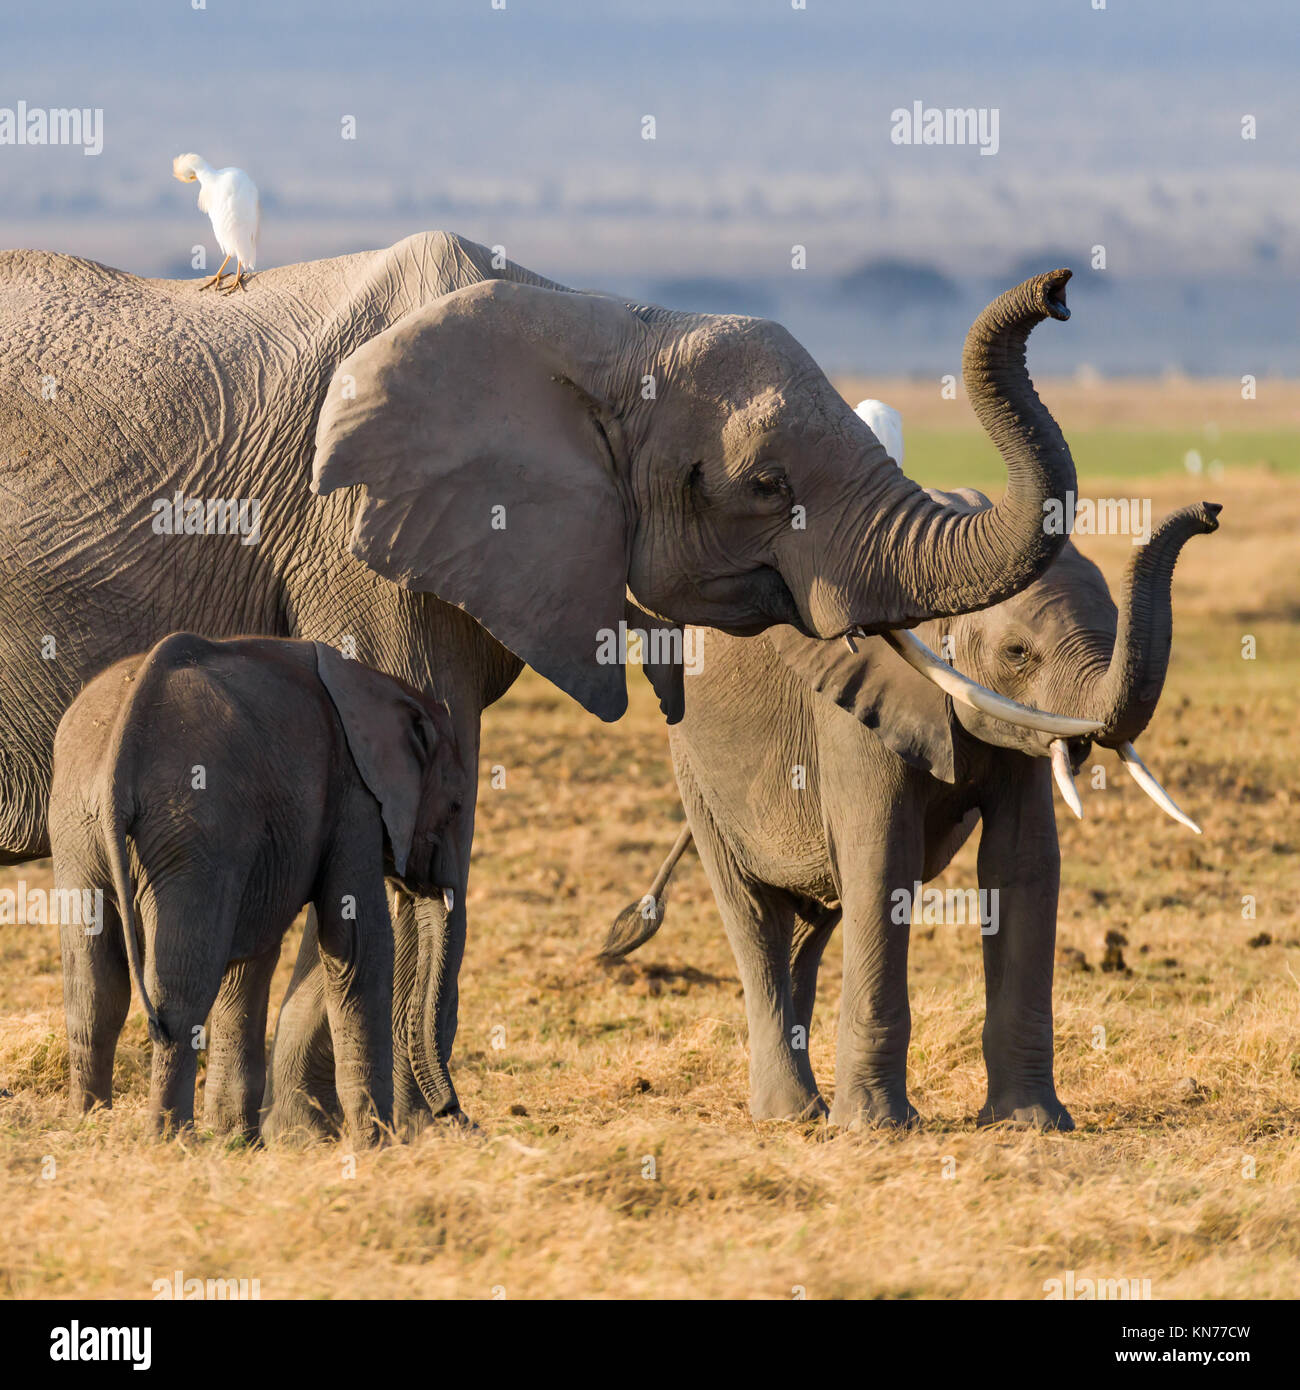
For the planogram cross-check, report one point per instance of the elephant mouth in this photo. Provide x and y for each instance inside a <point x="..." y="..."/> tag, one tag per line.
<point x="746" y="604"/>
<point x="1078" y="751"/>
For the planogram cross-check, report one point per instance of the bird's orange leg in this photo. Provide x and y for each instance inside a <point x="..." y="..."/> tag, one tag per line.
<point x="238" y="282"/>
<point x="216" y="279"/>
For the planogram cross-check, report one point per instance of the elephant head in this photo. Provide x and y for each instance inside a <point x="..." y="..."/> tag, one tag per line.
<point x="1059" y="644"/>
<point x="1063" y="644"/>
<point x="533" y="455"/>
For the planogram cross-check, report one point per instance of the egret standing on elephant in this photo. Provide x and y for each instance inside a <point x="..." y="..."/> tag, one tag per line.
<point x="231" y="200"/>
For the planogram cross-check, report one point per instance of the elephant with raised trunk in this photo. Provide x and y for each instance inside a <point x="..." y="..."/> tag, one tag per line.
<point x="824" y="785"/>
<point x="458" y="466"/>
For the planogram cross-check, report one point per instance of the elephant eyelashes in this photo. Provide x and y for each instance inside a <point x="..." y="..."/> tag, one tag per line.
<point x="771" y="485"/>
<point x="1017" y="653"/>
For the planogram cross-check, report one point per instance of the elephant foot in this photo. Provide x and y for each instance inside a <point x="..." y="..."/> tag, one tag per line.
<point x="82" y="1102"/>
<point x="168" y="1125"/>
<point x="786" y="1104"/>
<point x="451" y="1122"/>
<point x="297" y="1123"/>
<point x="1026" y="1113"/>
<point x="874" y="1112"/>
<point x="236" y="1121"/>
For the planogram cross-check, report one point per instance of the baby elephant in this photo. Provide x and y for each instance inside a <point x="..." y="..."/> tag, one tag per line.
<point x="252" y="776"/>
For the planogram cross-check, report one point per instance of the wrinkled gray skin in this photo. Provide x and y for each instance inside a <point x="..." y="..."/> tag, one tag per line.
<point x="526" y="453"/>
<point x="315" y="772"/>
<point x="888" y="805"/>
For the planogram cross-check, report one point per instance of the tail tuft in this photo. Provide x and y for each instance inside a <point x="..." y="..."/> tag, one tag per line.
<point x="633" y="927"/>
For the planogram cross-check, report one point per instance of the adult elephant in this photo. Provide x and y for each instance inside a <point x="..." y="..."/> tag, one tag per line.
<point x="526" y="453"/>
<point x="893" y="779"/>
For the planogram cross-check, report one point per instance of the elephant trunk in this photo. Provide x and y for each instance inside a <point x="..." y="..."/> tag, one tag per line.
<point x="959" y="561"/>
<point x="431" y="1012"/>
<point x="1124" y="696"/>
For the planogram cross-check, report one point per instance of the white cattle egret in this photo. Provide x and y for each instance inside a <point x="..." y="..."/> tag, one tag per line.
<point x="886" y="424"/>
<point x="229" y="197"/>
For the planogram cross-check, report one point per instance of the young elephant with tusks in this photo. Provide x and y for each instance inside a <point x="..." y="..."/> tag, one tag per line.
<point x="252" y="776"/>
<point x="895" y="774"/>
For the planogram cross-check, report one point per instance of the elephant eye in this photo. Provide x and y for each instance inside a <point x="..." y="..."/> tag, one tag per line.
<point x="771" y="483"/>
<point x="1016" y="652"/>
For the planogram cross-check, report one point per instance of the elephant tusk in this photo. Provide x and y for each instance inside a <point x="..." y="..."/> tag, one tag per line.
<point x="1141" y="774"/>
<point x="449" y="899"/>
<point x="910" y="647"/>
<point x="849" y="642"/>
<point x="1065" y="777"/>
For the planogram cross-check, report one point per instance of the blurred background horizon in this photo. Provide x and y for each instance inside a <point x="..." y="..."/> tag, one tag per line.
<point x="1118" y="128"/>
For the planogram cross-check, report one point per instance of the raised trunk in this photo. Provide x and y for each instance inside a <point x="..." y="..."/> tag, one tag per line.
<point x="1125" y="696"/>
<point x="956" y="561"/>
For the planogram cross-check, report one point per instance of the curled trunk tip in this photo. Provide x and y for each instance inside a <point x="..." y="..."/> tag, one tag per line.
<point x="1131" y="686"/>
<point x="1051" y="289"/>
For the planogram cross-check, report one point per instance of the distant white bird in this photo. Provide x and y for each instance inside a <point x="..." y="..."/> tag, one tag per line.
<point x="886" y="424"/>
<point x="229" y="197"/>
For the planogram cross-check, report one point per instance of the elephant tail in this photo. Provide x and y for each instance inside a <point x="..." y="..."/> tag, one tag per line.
<point x="114" y="832"/>
<point x="114" y="806"/>
<point x="639" y="921"/>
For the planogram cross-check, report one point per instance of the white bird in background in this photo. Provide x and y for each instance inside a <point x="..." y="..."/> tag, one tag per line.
<point x="229" y="197"/>
<point x="886" y="424"/>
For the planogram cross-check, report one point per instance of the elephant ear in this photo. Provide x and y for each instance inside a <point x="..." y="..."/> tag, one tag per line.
<point x="666" y="677"/>
<point x="391" y="737"/>
<point x="481" y="430"/>
<point x="874" y="684"/>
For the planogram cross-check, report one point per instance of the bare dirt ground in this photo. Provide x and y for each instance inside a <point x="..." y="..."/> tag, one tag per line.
<point x="617" y="1157"/>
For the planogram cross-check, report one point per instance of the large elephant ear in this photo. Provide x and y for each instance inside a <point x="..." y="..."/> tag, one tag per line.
<point x="874" y="684"/>
<point x="490" y="455"/>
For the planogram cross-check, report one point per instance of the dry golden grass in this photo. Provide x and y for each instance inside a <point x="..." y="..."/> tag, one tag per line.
<point x="602" y="1069"/>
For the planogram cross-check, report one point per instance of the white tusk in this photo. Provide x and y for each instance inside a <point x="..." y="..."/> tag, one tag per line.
<point x="1141" y="774"/>
<point x="1065" y="777"/>
<point x="849" y="643"/>
<point x="449" y="898"/>
<point x="910" y="647"/>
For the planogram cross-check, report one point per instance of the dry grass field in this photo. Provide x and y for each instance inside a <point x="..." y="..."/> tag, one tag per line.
<point x="1184" y="1169"/>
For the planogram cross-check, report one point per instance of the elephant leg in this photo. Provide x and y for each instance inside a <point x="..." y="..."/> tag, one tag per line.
<point x="301" y="1102"/>
<point x="356" y="950"/>
<point x="813" y="926"/>
<point x="236" y="1079"/>
<point x="876" y="848"/>
<point x="1020" y="866"/>
<point x="96" y="997"/>
<point x="759" y="922"/>
<point x="171" y="1088"/>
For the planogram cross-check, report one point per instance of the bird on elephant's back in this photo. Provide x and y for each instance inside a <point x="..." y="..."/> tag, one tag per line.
<point x="452" y="466"/>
